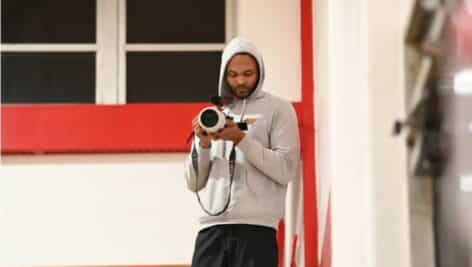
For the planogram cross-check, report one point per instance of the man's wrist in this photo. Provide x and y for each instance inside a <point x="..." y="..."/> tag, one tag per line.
<point x="239" y="138"/>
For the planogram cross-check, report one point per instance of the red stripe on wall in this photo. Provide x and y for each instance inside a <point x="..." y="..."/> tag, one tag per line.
<point x="308" y="136"/>
<point x="293" y="262"/>
<point x="96" y="128"/>
<point x="281" y="242"/>
<point x="89" y="128"/>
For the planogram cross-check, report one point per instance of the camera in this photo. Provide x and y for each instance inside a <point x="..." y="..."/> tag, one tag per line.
<point x="212" y="119"/>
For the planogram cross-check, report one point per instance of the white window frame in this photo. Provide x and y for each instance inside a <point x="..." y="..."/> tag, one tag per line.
<point x="111" y="48"/>
<point x="123" y="47"/>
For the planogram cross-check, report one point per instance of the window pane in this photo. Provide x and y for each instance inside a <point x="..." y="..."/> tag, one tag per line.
<point x="172" y="76"/>
<point x="178" y="21"/>
<point x="48" y="21"/>
<point x="48" y="77"/>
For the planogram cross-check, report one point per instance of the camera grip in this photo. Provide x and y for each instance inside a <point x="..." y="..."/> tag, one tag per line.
<point x="242" y="126"/>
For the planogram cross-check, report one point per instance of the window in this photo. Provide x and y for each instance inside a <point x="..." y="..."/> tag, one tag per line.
<point x="48" y="21"/>
<point x="48" y="51"/>
<point x="44" y="77"/>
<point x="178" y="63"/>
<point x="148" y="21"/>
<point x="172" y="76"/>
<point x="112" y="51"/>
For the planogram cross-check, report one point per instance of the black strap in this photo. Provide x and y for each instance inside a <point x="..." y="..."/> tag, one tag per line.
<point x="232" y="165"/>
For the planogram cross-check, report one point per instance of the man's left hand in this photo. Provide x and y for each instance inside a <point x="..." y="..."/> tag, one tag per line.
<point x="231" y="132"/>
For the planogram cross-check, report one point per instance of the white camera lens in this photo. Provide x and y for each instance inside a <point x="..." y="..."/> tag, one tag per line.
<point x="211" y="119"/>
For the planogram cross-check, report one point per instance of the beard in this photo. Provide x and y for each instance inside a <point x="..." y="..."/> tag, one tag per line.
<point x="242" y="91"/>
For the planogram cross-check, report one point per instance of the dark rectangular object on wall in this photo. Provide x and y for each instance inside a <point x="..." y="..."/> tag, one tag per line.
<point x="178" y="21"/>
<point x="172" y="76"/>
<point x="48" y="21"/>
<point x="48" y="77"/>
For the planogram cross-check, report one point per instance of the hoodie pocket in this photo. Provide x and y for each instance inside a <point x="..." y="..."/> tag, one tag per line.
<point x="266" y="193"/>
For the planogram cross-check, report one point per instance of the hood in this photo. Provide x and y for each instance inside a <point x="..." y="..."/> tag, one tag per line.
<point x="236" y="46"/>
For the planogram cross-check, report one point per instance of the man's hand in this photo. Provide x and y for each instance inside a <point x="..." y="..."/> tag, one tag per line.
<point x="205" y="138"/>
<point x="231" y="132"/>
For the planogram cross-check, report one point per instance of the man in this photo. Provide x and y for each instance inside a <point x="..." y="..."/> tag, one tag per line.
<point x="241" y="177"/>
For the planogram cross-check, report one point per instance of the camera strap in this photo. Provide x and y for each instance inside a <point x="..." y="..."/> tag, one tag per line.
<point x="232" y="165"/>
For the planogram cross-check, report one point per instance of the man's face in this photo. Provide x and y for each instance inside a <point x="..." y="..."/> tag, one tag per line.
<point x="242" y="75"/>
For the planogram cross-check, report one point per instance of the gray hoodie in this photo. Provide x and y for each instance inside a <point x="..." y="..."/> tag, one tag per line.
<point x="267" y="158"/>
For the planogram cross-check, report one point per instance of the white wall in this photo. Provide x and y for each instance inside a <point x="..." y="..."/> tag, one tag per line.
<point x="343" y="137"/>
<point x="359" y="93"/>
<point x="129" y="208"/>
<point x="95" y="209"/>
<point x="388" y="154"/>
<point x="276" y="32"/>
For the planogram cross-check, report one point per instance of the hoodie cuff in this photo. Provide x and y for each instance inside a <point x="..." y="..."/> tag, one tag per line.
<point x="203" y="152"/>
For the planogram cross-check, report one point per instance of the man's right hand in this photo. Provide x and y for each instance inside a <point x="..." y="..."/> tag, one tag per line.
<point x="205" y="138"/>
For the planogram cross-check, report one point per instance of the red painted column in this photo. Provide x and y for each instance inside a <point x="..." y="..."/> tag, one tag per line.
<point x="308" y="136"/>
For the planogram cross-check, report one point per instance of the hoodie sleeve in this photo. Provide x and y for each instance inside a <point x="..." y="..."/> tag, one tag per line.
<point x="281" y="161"/>
<point x="203" y="158"/>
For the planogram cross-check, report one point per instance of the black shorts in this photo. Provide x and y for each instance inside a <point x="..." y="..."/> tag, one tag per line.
<point x="236" y="245"/>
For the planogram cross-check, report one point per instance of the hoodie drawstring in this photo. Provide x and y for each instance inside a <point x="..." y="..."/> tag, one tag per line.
<point x="241" y="119"/>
